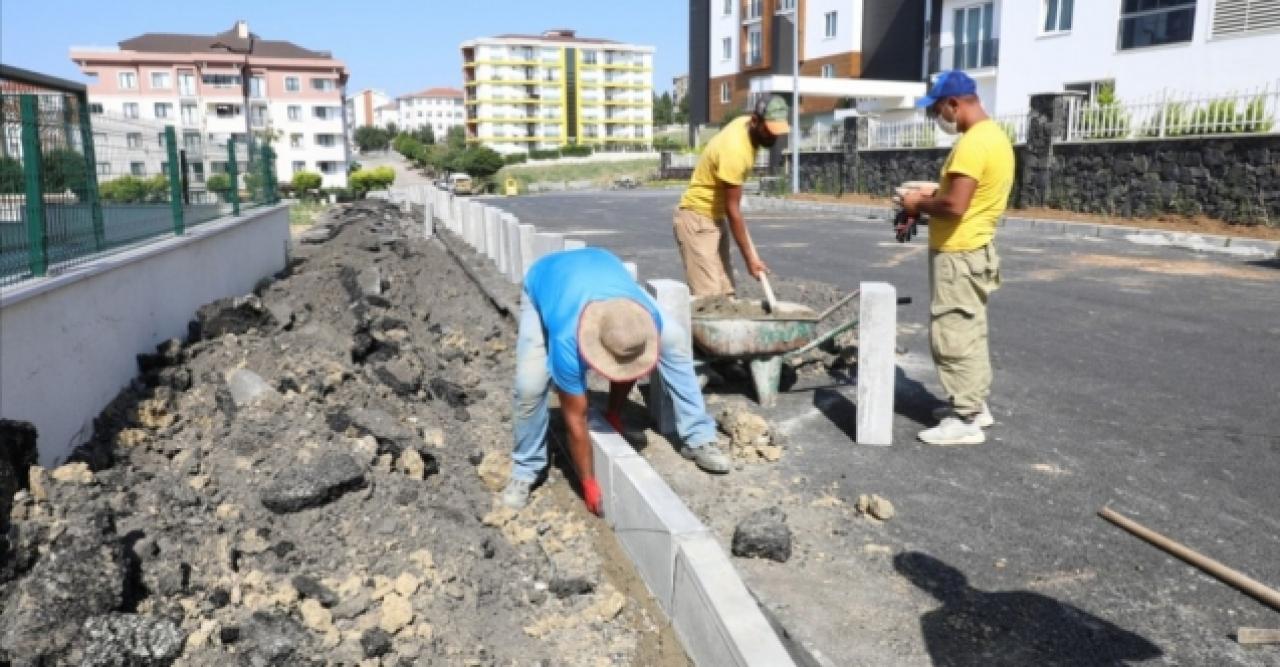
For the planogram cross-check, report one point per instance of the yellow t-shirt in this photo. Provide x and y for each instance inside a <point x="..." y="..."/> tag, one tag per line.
<point x="984" y="154"/>
<point x="728" y="157"/>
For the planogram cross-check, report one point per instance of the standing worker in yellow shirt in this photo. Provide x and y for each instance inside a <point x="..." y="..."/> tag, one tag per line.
<point x="714" y="200"/>
<point x="964" y="268"/>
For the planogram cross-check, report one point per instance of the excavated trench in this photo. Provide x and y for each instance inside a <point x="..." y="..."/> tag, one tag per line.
<point x="310" y="479"/>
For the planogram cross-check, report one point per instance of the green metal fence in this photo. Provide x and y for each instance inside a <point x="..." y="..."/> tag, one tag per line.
<point x="76" y="184"/>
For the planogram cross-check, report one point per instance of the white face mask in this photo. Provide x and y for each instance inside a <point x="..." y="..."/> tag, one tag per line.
<point x="948" y="126"/>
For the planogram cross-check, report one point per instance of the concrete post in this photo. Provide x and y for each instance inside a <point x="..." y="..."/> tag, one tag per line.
<point x="855" y="129"/>
<point x="674" y="303"/>
<point x="877" y="349"/>
<point x="545" y="243"/>
<point x="574" y="244"/>
<point x="477" y="216"/>
<point x="528" y="233"/>
<point x="428" y="218"/>
<point x="511" y="247"/>
<point x="493" y="237"/>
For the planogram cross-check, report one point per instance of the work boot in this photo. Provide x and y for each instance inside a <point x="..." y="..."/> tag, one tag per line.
<point x="983" y="418"/>
<point x="516" y="495"/>
<point x="708" y="457"/>
<point x="953" y="431"/>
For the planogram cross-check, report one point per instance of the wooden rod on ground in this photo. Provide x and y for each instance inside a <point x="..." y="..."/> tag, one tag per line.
<point x="1245" y="584"/>
<point x="1257" y="636"/>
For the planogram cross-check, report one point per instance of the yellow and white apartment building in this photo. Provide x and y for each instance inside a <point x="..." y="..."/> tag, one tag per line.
<point x="539" y="92"/>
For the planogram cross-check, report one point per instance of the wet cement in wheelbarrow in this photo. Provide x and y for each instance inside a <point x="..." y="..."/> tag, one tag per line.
<point x="748" y="309"/>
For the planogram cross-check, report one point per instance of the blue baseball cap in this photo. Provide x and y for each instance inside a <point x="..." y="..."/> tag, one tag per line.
<point x="951" y="83"/>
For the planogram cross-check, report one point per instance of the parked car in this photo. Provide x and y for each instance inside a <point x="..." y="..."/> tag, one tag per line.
<point x="460" y="184"/>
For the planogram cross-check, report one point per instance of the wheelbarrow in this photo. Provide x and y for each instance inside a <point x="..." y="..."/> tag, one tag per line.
<point x="767" y="341"/>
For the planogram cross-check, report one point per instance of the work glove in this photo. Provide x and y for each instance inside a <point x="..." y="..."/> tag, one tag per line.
<point x="591" y="496"/>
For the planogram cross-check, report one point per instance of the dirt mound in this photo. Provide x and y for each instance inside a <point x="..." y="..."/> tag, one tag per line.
<point x="297" y="484"/>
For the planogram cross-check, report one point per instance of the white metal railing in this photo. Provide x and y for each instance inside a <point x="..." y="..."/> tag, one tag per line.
<point x="822" y="138"/>
<point x="914" y="133"/>
<point x="1167" y="115"/>
<point x="1014" y="125"/>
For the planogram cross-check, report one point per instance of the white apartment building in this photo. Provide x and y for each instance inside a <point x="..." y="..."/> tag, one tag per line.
<point x="387" y="114"/>
<point x="1145" y="48"/>
<point x="439" y="108"/>
<point x="362" y="108"/>
<point x="197" y="83"/>
<point x="543" y="91"/>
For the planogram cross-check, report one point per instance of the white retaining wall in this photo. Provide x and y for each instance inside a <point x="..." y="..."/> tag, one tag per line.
<point x="68" y="342"/>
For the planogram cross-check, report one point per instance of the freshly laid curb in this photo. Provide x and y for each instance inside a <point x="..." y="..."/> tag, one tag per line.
<point x="1175" y="239"/>
<point x="696" y="585"/>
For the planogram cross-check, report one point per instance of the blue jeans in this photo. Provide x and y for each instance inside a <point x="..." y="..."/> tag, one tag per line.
<point x="533" y="382"/>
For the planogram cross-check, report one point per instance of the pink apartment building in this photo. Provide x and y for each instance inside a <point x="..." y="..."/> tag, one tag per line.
<point x="196" y="84"/>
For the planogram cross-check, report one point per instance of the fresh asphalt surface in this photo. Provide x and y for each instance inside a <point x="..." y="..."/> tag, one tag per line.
<point x="1144" y="378"/>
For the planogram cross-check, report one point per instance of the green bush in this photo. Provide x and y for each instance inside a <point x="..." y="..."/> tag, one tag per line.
<point x="575" y="151"/>
<point x="544" y="155"/>
<point x="134" y="190"/>
<point x="370" y="138"/>
<point x="371" y="179"/>
<point x="65" y="169"/>
<point x="306" y="181"/>
<point x="11" y="176"/>
<point x="480" y="161"/>
<point x="515" y="158"/>
<point x="342" y="194"/>
<point x="218" y="183"/>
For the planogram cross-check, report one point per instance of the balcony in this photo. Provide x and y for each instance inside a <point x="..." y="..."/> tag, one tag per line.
<point x="968" y="56"/>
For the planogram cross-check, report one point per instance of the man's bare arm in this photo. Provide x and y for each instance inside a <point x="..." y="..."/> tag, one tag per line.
<point x="738" y="227"/>
<point x="952" y="203"/>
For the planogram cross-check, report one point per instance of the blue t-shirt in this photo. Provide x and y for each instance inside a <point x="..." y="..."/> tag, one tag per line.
<point x="559" y="286"/>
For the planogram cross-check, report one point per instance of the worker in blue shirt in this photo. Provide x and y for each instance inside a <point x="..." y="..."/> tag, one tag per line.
<point x="582" y="310"/>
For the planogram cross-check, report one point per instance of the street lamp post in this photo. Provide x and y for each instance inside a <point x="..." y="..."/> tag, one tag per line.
<point x="795" y="97"/>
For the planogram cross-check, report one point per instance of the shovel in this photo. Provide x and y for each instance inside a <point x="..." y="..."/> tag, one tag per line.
<point x="770" y="303"/>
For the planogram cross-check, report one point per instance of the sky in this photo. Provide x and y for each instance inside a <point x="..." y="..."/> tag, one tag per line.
<point x="397" y="47"/>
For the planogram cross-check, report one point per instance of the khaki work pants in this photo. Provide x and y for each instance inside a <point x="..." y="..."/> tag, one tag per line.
<point x="704" y="249"/>
<point x="960" y="283"/>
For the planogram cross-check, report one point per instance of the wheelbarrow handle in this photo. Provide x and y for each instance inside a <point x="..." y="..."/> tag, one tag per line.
<point x="847" y="325"/>
<point x="836" y="306"/>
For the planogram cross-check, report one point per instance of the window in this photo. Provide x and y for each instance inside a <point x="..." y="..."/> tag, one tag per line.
<point x="133" y="140"/>
<point x="130" y="109"/>
<point x="325" y="140"/>
<point x="728" y="7"/>
<point x="754" y="46"/>
<point x="325" y="85"/>
<point x="1056" y="16"/>
<point x="258" y="116"/>
<point x="1089" y="89"/>
<point x="190" y="114"/>
<point x="128" y="80"/>
<point x="971" y="31"/>
<point x="295" y="141"/>
<point x="754" y="9"/>
<point x="299" y="165"/>
<point x="257" y="86"/>
<point x="226" y="110"/>
<point x="295" y="112"/>
<point x="291" y="84"/>
<point x="197" y="172"/>
<point x="95" y="107"/>
<point x="191" y="140"/>
<point x="160" y="80"/>
<point x="726" y="48"/>
<point x="724" y="92"/>
<point x="1234" y="17"/>
<point x="163" y="109"/>
<point x="104" y="168"/>
<point x="785" y="6"/>
<point x="330" y="167"/>
<point x="160" y="139"/>
<point x="326" y="113"/>
<point x="828" y="71"/>
<point x="137" y="168"/>
<point x="186" y="83"/>
<point x="221" y="80"/>
<point x="1155" y="22"/>
<point x="830" y="18"/>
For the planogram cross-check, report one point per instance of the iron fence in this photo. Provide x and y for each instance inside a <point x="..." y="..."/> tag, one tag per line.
<point x="924" y="133"/>
<point x="1169" y="115"/>
<point x="75" y="184"/>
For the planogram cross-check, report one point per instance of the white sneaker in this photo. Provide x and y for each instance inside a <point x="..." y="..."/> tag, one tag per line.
<point x="984" y="419"/>
<point x="953" y="431"/>
<point x="516" y="495"/>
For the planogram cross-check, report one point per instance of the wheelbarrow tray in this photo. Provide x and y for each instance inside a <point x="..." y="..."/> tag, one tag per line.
<point x="723" y="336"/>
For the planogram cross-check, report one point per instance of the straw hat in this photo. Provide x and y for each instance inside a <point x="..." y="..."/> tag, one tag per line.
<point x="618" y="338"/>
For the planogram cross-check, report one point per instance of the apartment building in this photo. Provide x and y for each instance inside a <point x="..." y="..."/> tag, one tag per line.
<point x="362" y="107"/>
<point x="439" y="108"/>
<point x="214" y="87"/>
<point x="737" y="47"/>
<point x="387" y="114"/>
<point x="1144" y="49"/>
<point x="543" y="91"/>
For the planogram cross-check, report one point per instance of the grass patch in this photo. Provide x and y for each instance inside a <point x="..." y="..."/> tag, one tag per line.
<point x="305" y="212"/>
<point x="600" y="173"/>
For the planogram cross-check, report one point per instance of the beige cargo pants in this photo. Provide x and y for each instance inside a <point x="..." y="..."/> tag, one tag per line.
<point x="704" y="249"/>
<point x="960" y="283"/>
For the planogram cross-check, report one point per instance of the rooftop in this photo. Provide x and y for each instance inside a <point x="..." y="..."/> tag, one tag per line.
<point x="237" y="39"/>
<point x="435" y="92"/>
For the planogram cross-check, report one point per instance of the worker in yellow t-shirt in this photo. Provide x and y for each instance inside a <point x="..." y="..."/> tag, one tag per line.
<point x="713" y="200"/>
<point x="964" y="268"/>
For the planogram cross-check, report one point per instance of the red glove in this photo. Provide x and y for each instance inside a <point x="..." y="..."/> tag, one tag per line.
<point x="615" y="420"/>
<point x="591" y="495"/>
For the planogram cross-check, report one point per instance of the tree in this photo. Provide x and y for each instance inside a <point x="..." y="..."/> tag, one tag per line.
<point x="370" y="138"/>
<point x="682" y="110"/>
<point x="306" y="181"/>
<point x="481" y="161"/>
<point x="457" y="138"/>
<point x="64" y="169"/>
<point x="425" y="135"/>
<point x="663" y="111"/>
<point x="393" y="129"/>
<point x="218" y="183"/>
<point x="11" y="178"/>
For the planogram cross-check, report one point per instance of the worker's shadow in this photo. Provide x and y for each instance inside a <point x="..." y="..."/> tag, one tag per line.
<point x="974" y="627"/>
<point x="911" y="399"/>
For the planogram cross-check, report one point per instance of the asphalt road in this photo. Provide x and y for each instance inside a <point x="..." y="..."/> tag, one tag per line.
<point x="1141" y="377"/>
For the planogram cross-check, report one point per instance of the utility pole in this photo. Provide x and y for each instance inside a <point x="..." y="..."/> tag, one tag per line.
<point x="795" y="97"/>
